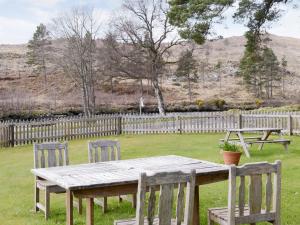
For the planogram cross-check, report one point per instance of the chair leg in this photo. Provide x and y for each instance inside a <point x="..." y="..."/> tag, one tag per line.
<point x="134" y="201"/>
<point x="47" y="203"/>
<point x="36" y="198"/>
<point x="104" y="207"/>
<point x="79" y="206"/>
<point x="120" y="199"/>
<point x="209" y="221"/>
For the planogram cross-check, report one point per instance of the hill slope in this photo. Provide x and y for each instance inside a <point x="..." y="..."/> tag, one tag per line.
<point x="21" y="90"/>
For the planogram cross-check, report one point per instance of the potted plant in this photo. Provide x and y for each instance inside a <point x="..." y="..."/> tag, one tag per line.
<point x="231" y="153"/>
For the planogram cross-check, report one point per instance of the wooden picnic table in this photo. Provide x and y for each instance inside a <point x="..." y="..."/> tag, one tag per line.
<point x="261" y="140"/>
<point x="115" y="178"/>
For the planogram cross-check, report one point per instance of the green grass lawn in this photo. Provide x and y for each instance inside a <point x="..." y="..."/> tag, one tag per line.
<point x="16" y="192"/>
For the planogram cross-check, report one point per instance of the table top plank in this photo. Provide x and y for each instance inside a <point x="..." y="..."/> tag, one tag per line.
<point x="254" y="129"/>
<point x="84" y="176"/>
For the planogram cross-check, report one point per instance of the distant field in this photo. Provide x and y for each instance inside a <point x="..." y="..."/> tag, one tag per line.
<point x="16" y="204"/>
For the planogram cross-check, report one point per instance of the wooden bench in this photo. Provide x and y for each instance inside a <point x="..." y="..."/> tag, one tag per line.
<point x="284" y="142"/>
<point x="257" y="140"/>
<point x="246" y="138"/>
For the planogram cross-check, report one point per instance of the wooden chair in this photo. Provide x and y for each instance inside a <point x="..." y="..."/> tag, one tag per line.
<point x="167" y="183"/>
<point x="102" y="151"/>
<point x="49" y="155"/>
<point x="257" y="209"/>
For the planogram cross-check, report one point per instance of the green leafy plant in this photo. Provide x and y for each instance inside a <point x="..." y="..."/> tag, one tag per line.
<point x="229" y="147"/>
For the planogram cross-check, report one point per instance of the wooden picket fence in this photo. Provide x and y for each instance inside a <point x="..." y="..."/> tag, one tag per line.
<point x="26" y="132"/>
<point x="14" y="133"/>
<point x="178" y="123"/>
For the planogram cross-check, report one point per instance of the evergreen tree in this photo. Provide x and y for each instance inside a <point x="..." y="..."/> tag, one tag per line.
<point x="284" y="72"/>
<point x="271" y="71"/>
<point x="186" y="69"/>
<point x="39" y="47"/>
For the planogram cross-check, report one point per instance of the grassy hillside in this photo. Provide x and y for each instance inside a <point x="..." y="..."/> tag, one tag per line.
<point x="21" y="90"/>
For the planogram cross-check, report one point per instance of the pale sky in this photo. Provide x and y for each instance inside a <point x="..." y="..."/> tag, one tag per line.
<point x="19" y="18"/>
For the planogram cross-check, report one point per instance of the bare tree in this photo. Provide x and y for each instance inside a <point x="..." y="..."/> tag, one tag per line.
<point x="146" y="31"/>
<point x="79" y="29"/>
<point x="121" y="61"/>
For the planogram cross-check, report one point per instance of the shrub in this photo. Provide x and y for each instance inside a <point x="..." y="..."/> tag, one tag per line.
<point x="219" y="103"/>
<point x="199" y="102"/>
<point x="258" y="102"/>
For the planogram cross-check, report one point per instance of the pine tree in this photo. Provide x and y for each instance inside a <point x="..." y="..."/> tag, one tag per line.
<point x="186" y="69"/>
<point x="284" y="72"/>
<point x="39" y="47"/>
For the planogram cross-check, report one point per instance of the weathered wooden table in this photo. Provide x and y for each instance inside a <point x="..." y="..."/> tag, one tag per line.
<point x="244" y="141"/>
<point x="121" y="177"/>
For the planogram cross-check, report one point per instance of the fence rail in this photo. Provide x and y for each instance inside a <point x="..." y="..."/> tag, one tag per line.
<point x="14" y="133"/>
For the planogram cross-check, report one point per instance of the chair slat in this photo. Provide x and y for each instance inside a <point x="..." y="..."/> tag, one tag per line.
<point x="255" y="194"/>
<point x="60" y="157"/>
<point x="180" y="204"/>
<point x="43" y="164"/>
<point x="51" y="158"/>
<point x="151" y="206"/>
<point x="96" y="156"/>
<point x="104" y="154"/>
<point x="165" y="204"/>
<point x="269" y="192"/>
<point x="242" y="196"/>
<point x="112" y="153"/>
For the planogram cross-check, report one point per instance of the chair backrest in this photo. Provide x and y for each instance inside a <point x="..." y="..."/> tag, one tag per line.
<point x="103" y="150"/>
<point x="166" y="183"/>
<point x="259" y="208"/>
<point x="50" y="154"/>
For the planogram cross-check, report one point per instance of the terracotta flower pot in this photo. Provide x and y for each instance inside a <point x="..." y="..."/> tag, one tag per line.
<point x="231" y="157"/>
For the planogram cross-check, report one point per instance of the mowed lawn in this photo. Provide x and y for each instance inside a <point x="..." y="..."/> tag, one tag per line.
<point x="16" y="191"/>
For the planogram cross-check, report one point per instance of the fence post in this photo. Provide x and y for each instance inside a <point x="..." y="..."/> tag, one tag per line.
<point x="240" y="121"/>
<point x="11" y="135"/>
<point x="290" y="125"/>
<point x="119" y="125"/>
<point x="180" y="124"/>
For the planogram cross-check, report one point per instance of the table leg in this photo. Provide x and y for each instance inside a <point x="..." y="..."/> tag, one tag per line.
<point x="244" y="145"/>
<point x="227" y="136"/>
<point x="196" y="220"/>
<point x="89" y="211"/>
<point x="69" y="207"/>
<point x="264" y="137"/>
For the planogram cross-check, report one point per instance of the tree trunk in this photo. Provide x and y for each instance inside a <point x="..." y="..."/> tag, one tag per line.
<point x="190" y="91"/>
<point x="159" y="97"/>
<point x="85" y="101"/>
<point x="142" y="87"/>
<point x="111" y="85"/>
<point x="283" y="90"/>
